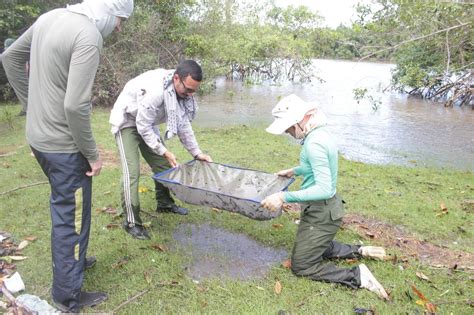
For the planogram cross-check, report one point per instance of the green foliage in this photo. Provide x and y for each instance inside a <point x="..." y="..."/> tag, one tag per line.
<point x="150" y="39"/>
<point x="7" y="117"/>
<point x="232" y="41"/>
<point x="428" y="54"/>
<point x="361" y="94"/>
<point x="17" y="15"/>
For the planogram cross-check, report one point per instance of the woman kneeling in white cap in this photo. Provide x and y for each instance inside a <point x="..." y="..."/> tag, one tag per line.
<point x="321" y="208"/>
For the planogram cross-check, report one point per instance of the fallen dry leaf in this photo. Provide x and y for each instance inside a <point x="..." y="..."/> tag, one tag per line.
<point x="109" y="210"/>
<point x="120" y="263"/>
<point x="22" y="245"/>
<point x="369" y="234"/>
<point x="143" y="190"/>
<point x="423" y="301"/>
<point x="420" y="302"/>
<point x="277" y="226"/>
<point x="111" y="226"/>
<point x="430" y="307"/>
<point x="31" y="238"/>
<point x="16" y="258"/>
<point x="422" y="276"/>
<point x="286" y="263"/>
<point x="160" y="247"/>
<point x="420" y="295"/>
<point x="147" y="276"/>
<point x="442" y="213"/>
<point x="202" y="289"/>
<point x="278" y="287"/>
<point x="291" y="208"/>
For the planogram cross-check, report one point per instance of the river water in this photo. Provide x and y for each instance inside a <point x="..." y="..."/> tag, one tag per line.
<point x="403" y="130"/>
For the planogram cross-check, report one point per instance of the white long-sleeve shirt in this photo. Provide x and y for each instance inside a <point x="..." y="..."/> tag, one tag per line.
<point x="141" y="104"/>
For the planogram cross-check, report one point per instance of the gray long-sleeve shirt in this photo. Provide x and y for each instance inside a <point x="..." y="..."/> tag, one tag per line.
<point x="64" y="52"/>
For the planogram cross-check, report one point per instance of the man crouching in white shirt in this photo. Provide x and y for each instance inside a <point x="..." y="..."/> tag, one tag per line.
<point x="154" y="97"/>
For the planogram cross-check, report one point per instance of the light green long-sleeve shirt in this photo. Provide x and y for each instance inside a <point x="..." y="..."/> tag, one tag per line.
<point x="318" y="166"/>
<point x="63" y="49"/>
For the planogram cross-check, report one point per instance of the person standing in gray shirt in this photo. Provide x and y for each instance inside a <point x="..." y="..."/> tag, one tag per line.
<point x="63" y="49"/>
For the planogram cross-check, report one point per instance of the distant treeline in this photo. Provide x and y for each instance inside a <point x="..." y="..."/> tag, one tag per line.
<point x="430" y="41"/>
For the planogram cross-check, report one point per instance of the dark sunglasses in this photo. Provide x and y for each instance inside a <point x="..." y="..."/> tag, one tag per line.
<point x="186" y="89"/>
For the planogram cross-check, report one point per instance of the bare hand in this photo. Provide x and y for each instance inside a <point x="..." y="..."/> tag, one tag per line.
<point x="203" y="157"/>
<point x="169" y="156"/>
<point x="95" y="168"/>
<point x="286" y="173"/>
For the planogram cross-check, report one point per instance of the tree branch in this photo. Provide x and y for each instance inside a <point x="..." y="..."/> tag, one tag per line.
<point x="414" y="39"/>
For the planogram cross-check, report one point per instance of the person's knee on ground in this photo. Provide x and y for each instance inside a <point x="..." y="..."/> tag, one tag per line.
<point x="299" y="266"/>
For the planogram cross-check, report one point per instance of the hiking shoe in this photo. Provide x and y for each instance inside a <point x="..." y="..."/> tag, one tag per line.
<point x="137" y="231"/>
<point x="373" y="252"/>
<point x="368" y="281"/>
<point x="86" y="299"/>
<point x="173" y="209"/>
<point x="91" y="298"/>
<point x="90" y="262"/>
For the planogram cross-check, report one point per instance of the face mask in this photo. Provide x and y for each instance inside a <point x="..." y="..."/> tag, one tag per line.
<point x="106" y="25"/>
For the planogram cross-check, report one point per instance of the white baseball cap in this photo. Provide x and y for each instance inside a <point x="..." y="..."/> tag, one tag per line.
<point x="289" y="111"/>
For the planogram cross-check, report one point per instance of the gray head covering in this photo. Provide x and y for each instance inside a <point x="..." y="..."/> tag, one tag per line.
<point x="8" y="42"/>
<point x="103" y="12"/>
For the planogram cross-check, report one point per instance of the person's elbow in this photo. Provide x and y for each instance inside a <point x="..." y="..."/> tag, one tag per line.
<point x="326" y="192"/>
<point x="6" y="60"/>
<point x="74" y="108"/>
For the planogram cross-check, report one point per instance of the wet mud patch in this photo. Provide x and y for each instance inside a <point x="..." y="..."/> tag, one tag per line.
<point x="396" y="237"/>
<point x="217" y="253"/>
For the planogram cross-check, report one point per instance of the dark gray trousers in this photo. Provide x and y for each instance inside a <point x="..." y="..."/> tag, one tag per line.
<point x="70" y="204"/>
<point x="320" y="221"/>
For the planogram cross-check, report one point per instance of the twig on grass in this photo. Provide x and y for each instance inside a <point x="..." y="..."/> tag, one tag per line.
<point x="8" y="154"/>
<point x="466" y="302"/>
<point x="150" y="214"/>
<point x="8" y="295"/>
<point x="22" y="187"/>
<point x="130" y="300"/>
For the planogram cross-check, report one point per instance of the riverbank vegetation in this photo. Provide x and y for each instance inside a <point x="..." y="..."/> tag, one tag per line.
<point x="430" y="42"/>
<point x="150" y="277"/>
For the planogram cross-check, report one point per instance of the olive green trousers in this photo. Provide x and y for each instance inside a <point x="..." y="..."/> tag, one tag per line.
<point x="130" y="145"/>
<point x="320" y="221"/>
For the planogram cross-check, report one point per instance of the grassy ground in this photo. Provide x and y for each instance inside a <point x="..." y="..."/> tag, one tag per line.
<point x="410" y="197"/>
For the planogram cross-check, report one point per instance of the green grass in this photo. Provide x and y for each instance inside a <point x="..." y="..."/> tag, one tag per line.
<point x="410" y="197"/>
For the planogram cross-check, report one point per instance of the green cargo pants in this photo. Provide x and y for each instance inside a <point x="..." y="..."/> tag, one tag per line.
<point x="320" y="221"/>
<point x="130" y="145"/>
